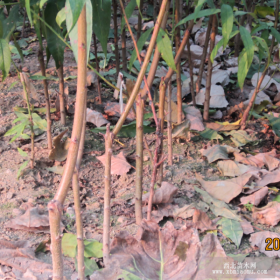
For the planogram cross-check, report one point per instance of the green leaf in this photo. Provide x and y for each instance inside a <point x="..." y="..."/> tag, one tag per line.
<point x="73" y="34"/>
<point x="76" y="7"/>
<point x="41" y="123"/>
<point x="5" y="58"/>
<point x="101" y="17"/>
<point x="277" y="198"/>
<point x="275" y="34"/>
<point x="60" y="17"/>
<point x="204" y="13"/>
<point x="243" y="68"/>
<point x="12" y="85"/>
<point x="232" y="229"/>
<point x="140" y="43"/>
<point x="17" y="129"/>
<point x="261" y="43"/>
<point x="126" y="275"/>
<point x="240" y="137"/>
<point x="274" y="123"/>
<point x="9" y="24"/>
<point x="128" y="11"/>
<point x="22" y="153"/>
<point x="69" y="244"/>
<point x="227" y="22"/>
<point x="263" y="11"/>
<point x="27" y="7"/>
<point x="25" y="163"/>
<point x="18" y="48"/>
<point x="42" y="2"/>
<point x="198" y="8"/>
<point x="90" y="266"/>
<point x="55" y="46"/>
<point x="93" y="249"/>
<point x="248" y="44"/>
<point x="165" y="49"/>
<point x="210" y="134"/>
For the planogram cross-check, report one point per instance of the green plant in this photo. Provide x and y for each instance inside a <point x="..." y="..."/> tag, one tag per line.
<point x="249" y="206"/>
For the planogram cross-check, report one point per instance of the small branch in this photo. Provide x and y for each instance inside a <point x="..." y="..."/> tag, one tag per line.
<point x="147" y="147"/>
<point x="139" y="20"/>
<point x="97" y="69"/>
<point x="61" y="95"/>
<point x="169" y="128"/>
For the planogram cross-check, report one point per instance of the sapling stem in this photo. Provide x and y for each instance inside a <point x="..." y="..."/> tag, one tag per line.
<point x="97" y="69"/>
<point x="61" y="95"/>
<point x="203" y="57"/>
<point x="116" y="38"/>
<point x="56" y="205"/>
<point x="124" y="58"/>
<point x="139" y="20"/>
<point x="107" y="196"/>
<point x="191" y="72"/>
<point x="162" y="91"/>
<point x="139" y="158"/>
<point x="46" y="93"/>
<point x="209" y="70"/>
<point x="169" y="127"/>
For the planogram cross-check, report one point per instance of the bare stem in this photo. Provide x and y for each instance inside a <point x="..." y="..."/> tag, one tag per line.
<point x="169" y="128"/>
<point x="115" y="9"/>
<point x="203" y="57"/>
<point x="209" y="70"/>
<point x="61" y="95"/>
<point x="46" y="93"/>
<point x="107" y="196"/>
<point x="124" y="58"/>
<point x="143" y="69"/>
<point x="139" y="20"/>
<point x="191" y="72"/>
<point x="162" y="90"/>
<point x="55" y="206"/>
<point x="97" y="69"/>
<point x="139" y="158"/>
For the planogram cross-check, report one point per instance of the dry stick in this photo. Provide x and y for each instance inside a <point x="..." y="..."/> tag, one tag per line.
<point x="191" y="72"/>
<point x="252" y="100"/>
<point x="203" y="57"/>
<point x="61" y="95"/>
<point x="143" y="68"/>
<point x="179" y="53"/>
<point x="107" y="196"/>
<point x="169" y="128"/>
<point x="56" y="205"/>
<point x="162" y="90"/>
<point x="139" y="20"/>
<point x="154" y="65"/>
<point x="154" y="174"/>
<point x="178" y="64"/>
<point x="77" y="203"/>
<point x="97" y="69"/>
<point x="46" y="93"/>
<point x="147" y="147"/>
<point x="124" y="58"/>
<point x="209" y="70"/>
<point x="115" y="9"/>
<point x="139" y="158"/>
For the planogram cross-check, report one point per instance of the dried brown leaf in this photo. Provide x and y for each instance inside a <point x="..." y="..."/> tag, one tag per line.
<point x="256" y="197"/>
<point x="95" y="118"/>
<point x="269" y="178"/>
<point x="91" y="78"/>
<point x="60" y="149"/>
<point x="246" y="227"/>
<point x="202" y="221"/>
<point x="119" y="164"/>
<point x="112" y="109"/>
<point x="194" y="116"/>
<point x="268" y="215"/>
<point x="31" y="91"/>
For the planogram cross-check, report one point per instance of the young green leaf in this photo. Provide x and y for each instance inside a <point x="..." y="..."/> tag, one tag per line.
<point x="17" y="129"/>
<point x="101" y="18"/>
<point x="164" y="47"/>
<point x="5" y="58"/>
<point x="140" y="43"/>
<point x="56" y="47"/>
<point x="18" y="48"/>
<point x="89" y="266"/>
<point x="243" y="68"/>
<point x="263" y="11"/>
<point x="73" y="34"/>
<point x="93" y="248"/>
<point x="276" y="34"/>
<point x="41" y="123"/>
<point x="248" y="44"/>
<point x="60" y="17"/>
<point x="69" y="244"/>
<point x="22" y="153"/>
<point x="204" y="13"/>
<point x="25" y="163"/>
<point x="27" y="7"/>
<point x="227" y="22"/>
<point x="75" y="9"/>
<point x="42" y="2"/>
<point x="128" y="11"/>
<point x="198" y="8"/>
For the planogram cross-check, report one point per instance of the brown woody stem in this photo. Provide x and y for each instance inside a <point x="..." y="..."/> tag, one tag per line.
<point x="139" y="20"/>
<point x="209" y="70"/>
<point x="97" y="69"/>
<point x="124" y="58"/>
<point x="55" y="206"/>
<point x="61" y="95"/>
<point x="169" y="128"/>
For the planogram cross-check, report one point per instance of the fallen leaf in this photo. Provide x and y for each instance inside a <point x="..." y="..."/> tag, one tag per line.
<point x="56" y="169"/>
<point x="232" y="229"/>
<point x="219" y="76"/>
<point x="163" y="210"/>
<point x="196" y="52"/>
<point x="217" y="97"/>
<point x="218" y="207"/>
<point x="197" y="26"/>
<point x="218" y="152"/>
<point x="259" y="239"/>
<point x="246" y="227"/>
<point x="218" y="115"/>
<point x="225" y="190"/>
<point x="60" y="149"/>
<point x="202" y="221"/>
<point x="119" y="164"/>
<point x="256" y="197"/>
<point x="261" y="96"/>
<point x="266" y="83"/>
<point x="267" y="215"/>
<point x="95" y="118"/>
<point x="194" y="116"/>
<point x="210" y="134"/>
<point x="164" y="194"/>
<point x="31" y="220"/>
<point x="220" y="127"/>
<point x="30" y="89"/>
<point x="182" y="130"/>
<point x="187" y="211"/>
<point x="269" y="178"/>
<point x="112" y="109"/>
<point x="92" y="78"/>
<point x="232" y="168"/>
<point x="241" y="137"/>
